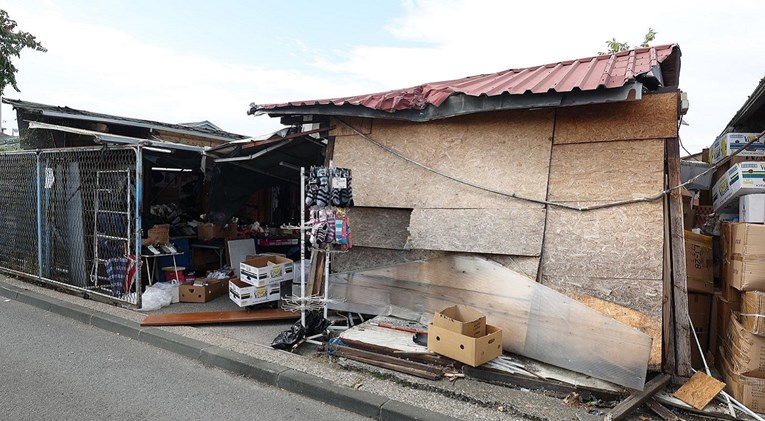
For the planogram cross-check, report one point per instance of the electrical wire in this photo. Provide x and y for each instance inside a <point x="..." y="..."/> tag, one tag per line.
<point x="644" y="199"/>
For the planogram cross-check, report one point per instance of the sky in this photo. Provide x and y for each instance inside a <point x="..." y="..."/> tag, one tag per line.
<point x="183" y="61"/>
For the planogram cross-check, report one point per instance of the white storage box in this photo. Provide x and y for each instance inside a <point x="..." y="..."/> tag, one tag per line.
<point x="728" y="143"/>
<point x="266" y="270"/>
<point x="244" y="294"/>
<point x="751" y="208"/>
<point x="741" y="179"/>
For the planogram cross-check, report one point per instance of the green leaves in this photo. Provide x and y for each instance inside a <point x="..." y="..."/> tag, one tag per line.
<point x="615" y="46"/>
<point x="12" y="42"/>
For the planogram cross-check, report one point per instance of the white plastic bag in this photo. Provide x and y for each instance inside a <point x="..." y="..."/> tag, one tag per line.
<point x="172" y="287"/>
<point x="155" y="298"/>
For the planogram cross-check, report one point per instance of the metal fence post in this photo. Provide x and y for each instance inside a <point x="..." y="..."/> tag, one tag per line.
<point x="38" y="186"/>
<point x="138" y="229"/>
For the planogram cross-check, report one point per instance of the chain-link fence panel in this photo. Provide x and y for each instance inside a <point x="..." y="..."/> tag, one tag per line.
<point x="88" y="220"/>
<point x="18" y="216"/>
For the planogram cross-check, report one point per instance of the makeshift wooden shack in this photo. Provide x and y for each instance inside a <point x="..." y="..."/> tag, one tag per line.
<point x="555" y="172"/>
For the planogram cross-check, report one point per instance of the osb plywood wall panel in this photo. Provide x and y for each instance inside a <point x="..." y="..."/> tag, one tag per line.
<point x="379" y="227"/>
<point x="364" y="125"/>
<point x="654" y="116"/>
<point x="515" y="230"/>
<point x="524" y="265"/>
<point x="614" y="254"/>
<point x="362" y="258"/>
<point x="607" y="171"/>
<point x="508" y="151"/>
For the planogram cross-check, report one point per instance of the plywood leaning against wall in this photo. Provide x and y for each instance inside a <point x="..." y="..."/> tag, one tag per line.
<point x="537" y="321"/>
<point x="515" y="230"/>
<point x="652" y="117"/>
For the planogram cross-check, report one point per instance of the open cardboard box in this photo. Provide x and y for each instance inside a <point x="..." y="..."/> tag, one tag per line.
<point x="461" y="333"/>
<point x="260" y="271"/>
<point x="211" y="289"/>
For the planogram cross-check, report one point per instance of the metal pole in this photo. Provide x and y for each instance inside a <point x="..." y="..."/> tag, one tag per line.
<point x="326" y="278"/>
<point x="39" y="217"/>
<point x="302" y="245"/>
<point x="138" y="229"/>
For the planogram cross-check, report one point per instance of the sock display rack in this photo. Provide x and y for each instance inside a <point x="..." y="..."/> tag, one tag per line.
<point x="327" y="193"/>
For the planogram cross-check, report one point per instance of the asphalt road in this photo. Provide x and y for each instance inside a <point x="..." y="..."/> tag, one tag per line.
<point x="55" y="368"/>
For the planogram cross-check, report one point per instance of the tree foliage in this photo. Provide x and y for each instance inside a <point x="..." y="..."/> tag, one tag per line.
<point x="615" y="46"/>
<point x="12" y="41"/>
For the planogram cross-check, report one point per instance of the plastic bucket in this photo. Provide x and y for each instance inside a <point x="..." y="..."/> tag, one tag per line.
<point x="174" y="273"/>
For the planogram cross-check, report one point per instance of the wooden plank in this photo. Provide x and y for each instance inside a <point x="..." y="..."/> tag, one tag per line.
<point x="513" y="230"/>
<point x="514" y="145"/>
<point x="611" y="171"/>
<point x="653" y="117"/>
<point x="668" y="337"/>
<point x="380" y="227"/>
<point x="682" y="330"/>
<point x="661" y="410"/>
<point x="699" y="390"/>
<point x="385" y="361"/>
<point x="627" y="406"/>
<point x="558" y="389"/>
<point x="537" y="321"/>
<point x="213" y="317"/>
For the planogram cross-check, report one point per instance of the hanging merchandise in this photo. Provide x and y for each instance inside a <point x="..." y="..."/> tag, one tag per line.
<point x="329" y="187"/>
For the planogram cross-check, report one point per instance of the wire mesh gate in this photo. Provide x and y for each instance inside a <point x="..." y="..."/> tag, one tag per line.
<point x="72" y="219"/>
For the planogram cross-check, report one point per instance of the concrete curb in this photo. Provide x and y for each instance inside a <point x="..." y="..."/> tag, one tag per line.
<point x="317" y="388"/>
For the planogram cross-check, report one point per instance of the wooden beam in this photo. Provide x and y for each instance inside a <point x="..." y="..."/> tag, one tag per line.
<point x="661" y="410"/>
<point x="214" y="317"/>
<point x="392" y="363"/>
<point x="667" y="323"/>
<point x="627" y="406"/>
<point x="681" y="321"/>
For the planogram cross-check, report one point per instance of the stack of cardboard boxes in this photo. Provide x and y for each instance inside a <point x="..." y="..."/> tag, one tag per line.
<point x="739" y="196"/>
<point x="260" y="280"/>
<point x="699" y="267"/>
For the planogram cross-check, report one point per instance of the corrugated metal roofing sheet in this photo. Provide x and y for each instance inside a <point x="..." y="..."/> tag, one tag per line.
<point x="585" y="74"/>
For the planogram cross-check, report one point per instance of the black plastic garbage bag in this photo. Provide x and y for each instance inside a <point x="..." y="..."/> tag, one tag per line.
<point x="314" y="324"/>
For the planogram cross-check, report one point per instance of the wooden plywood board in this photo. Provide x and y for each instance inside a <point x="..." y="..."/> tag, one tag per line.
<point x="508" y="151"/>
<point x="699" y="390"/>
<point x="649" y="325"/>
<point x="214" y="317"/>
<point x="609" y="172"/>
<point x="653" y="117"/>
<point x="362" y="258"/>
<point x="623" y="242"/>
<point x="514" y="230"/>
<point x="379" y="227"/>
<point x="524" y="265"/>
<point x="537" y="321"/>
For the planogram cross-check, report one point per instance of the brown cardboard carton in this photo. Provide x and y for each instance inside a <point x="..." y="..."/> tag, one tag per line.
<point x="744" y="350"/>
<point x="699" y="307"/>
<point x="748" y="239"/>
<point x="466" y="349"/>
<point x="747" y="388"/>
<point x="747" y="272"/>
<point x="753" y="312"/>
<point x="743" y="249"/>
<point x="698" y="262"/>
<point x="463" y="320"/>
<point x="212" y="288"/>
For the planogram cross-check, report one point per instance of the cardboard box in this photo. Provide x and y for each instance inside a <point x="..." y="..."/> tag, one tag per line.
<point x="212" y="288"/>
<point x="743" y="256"/>
<point x="747" y="388"/>
<point x="753" y="312"/>
<point x="741" y="179"/>
<point x="463" y="320"/>
<point x="466" y="349"/>
<point x="210" y="231"/>
<point x="699" y="308"/>
<point x="728" y="143"/>
<point x="244" y="294"/>
<point x="744" y="350"/>
<point x="158" y="234"/>
<point x="265" y="270"/>
<point x="751" y="208"/>
<point x="699" y="263"/>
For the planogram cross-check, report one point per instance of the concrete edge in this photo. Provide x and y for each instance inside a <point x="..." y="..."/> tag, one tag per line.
<point x="314" y="387"/>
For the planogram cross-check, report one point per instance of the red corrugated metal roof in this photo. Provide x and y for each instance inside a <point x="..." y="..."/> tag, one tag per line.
<point x="585" y="74"/>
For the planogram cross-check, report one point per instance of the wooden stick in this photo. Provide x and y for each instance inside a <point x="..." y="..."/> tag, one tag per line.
<point x="661" y="410"/>
<point x="636" y="399"/>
